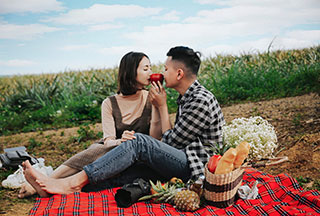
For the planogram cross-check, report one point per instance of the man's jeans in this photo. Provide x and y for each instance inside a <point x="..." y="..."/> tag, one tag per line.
<point x="159" y="156"/>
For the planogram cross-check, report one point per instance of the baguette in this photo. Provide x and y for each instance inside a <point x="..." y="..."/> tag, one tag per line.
<point x="225" y="164"/>
<point x="243" y="151"/>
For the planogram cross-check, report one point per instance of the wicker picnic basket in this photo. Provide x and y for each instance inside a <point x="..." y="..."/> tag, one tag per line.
<point x="220" y="189"/>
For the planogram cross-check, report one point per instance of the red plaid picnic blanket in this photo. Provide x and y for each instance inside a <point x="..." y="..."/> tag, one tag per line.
<point x="278" y="195"/>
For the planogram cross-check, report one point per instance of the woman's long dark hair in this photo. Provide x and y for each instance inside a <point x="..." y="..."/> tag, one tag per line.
<point x="127" y="77"/>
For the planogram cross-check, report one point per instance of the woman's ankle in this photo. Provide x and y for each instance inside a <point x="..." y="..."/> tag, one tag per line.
<point x="79" y="180"/>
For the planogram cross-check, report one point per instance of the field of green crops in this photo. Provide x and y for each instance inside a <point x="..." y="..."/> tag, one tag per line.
<point x="40" y="102"/>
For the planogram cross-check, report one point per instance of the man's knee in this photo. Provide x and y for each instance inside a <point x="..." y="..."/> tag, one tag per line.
<point x="141" y="139"/>
<point x="140" y="136"/>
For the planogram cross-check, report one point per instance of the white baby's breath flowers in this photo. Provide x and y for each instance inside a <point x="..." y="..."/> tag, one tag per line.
<point x="58" y="113"/>
<point x="259" y="133"/>
<point x="94" y="103"/>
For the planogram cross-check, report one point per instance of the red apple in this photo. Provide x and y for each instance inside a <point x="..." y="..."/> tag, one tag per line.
<point x="213" y="162"/>
<point x="156" y="77"/>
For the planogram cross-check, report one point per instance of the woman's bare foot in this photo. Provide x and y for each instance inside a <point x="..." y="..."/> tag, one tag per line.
<point x="66" y="185"/>
<point x="26" y="190"/>
<point x="31" y="175"/>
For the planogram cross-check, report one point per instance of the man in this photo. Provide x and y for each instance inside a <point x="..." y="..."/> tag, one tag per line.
<point x="180" y="153"/>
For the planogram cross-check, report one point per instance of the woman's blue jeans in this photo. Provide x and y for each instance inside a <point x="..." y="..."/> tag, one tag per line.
<point x="123" y="163"/>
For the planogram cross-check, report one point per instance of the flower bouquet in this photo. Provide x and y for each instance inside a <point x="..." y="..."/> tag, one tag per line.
<point x="258" y="132"/>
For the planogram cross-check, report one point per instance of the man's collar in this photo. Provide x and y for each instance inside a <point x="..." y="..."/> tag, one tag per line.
<point x="187" y="94"/>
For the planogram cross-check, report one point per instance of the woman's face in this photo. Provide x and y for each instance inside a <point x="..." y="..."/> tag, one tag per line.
<point x="143" y="72"/>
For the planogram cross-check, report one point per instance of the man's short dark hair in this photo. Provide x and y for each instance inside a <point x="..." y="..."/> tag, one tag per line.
<point x="187" y="56"/>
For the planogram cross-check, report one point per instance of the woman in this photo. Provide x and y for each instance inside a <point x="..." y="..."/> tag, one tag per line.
<point x="122" y="115"/>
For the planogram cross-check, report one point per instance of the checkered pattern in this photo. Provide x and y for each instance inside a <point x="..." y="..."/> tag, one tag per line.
<point x="199" y="121"/>
<point x="278" y="195"/>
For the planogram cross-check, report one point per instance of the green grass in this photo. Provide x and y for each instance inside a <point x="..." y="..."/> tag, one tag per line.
<point x="41" y="102"/>
<point x="47" y="102"/>
<point x="33" y="144"/>
<point x="304" y="181"/>
<point x="85" y="134"/>
<point x="262" y="76"/>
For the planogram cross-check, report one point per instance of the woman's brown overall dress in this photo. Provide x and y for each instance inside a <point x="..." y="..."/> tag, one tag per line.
<point x="98" y="149"/>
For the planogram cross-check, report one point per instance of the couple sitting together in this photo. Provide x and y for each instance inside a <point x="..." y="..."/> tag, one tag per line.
<point x="138" y="139"/>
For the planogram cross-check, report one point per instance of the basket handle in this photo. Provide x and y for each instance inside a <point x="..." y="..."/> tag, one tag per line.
<point x="265" y="162"/>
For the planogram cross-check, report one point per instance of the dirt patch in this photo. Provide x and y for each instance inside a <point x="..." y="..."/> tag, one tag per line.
<point x="304" y="158"/>
<point x="296" y="120"/>
<point x="297" y="124"/>
<point x="18" y="209"/>
<point x="291" y="117"/>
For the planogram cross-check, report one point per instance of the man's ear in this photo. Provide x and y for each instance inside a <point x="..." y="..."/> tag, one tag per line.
<point x="180" y="74"/>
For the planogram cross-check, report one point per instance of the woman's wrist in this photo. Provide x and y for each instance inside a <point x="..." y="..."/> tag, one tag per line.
<point x="165" y="120"/>
<point x="163" y="109"/>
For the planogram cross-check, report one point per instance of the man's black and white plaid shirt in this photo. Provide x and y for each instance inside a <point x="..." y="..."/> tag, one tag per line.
<point x="199" y="121"/>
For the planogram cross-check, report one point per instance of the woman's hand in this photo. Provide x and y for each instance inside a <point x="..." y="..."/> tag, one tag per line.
<point x="158" y="98"/>
<point x="157" y="95"/>
<point x="127" y="135"/>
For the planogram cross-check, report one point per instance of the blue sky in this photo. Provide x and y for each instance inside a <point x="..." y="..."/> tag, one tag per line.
<point x="51" y="36"/>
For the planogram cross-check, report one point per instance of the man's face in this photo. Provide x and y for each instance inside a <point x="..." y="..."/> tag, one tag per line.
<point x="170" y="73"/>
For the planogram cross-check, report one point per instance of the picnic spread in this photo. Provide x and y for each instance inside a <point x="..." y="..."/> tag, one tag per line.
<point x="278" y="195"/>
<point x="231" y="185"/>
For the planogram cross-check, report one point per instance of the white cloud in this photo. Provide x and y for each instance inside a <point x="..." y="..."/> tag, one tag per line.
<point x="250" y="17"/>
<point x="236" y="23"/>
<point x="76" y="47"/>
<point x="168" y="33"/>
<point x="23" y="32"/>
<point x="254" y="46"/>
<point x="233" y="30"/>
<point x="257" y="19"/>
<point x="117" y="50"/>
<point x="171" y="16"/>
<point x="261" y="3"/>
<point x="297" y="40"/>
<point x="19" y="6"/>
<point x="17" y="63"/>
<point x="100" y="13"/>
<point x="307" y="35"/>
<point x="115" y="53"/>
<point x="292" y="40"/>
<point x="103" y="27"/>
<point x="217" y="2"/>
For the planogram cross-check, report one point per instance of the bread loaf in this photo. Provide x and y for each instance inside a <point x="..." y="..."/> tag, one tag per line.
<point x="225" y="164"/>
<point x="242" y="153"/>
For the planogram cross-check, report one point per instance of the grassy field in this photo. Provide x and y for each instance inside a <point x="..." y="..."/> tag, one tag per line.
<point x="296" y="121"/>
<point x="40" y="102"/>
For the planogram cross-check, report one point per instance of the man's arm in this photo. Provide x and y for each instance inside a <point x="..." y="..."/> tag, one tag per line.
<point x="194" y="118"/>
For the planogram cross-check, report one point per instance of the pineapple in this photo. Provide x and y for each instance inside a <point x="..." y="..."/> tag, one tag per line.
<point x="160" y="192"/>
<point x="187" y="200"/>
<point x="183" y="199"/>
